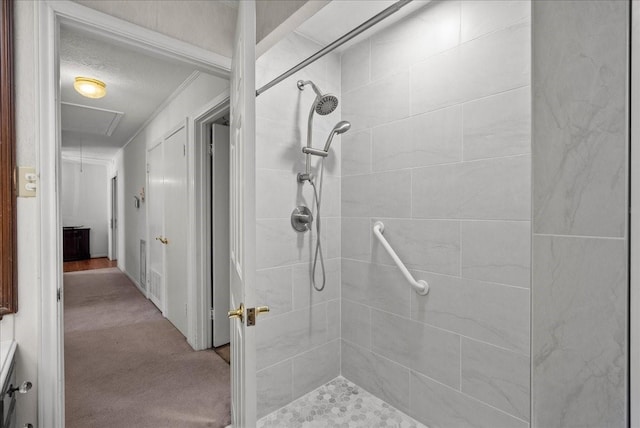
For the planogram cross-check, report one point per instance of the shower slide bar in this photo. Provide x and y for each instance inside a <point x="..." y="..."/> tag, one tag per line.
<point x="337" y="43"/>
<point x="421" y="287"/>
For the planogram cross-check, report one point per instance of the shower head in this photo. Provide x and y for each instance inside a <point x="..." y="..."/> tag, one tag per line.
<point x="324" y="103"/>
<point x="340" y="128"/>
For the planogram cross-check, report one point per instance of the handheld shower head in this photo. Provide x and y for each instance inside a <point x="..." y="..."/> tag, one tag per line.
<point x="340" y="128"/>
<point x="324" y="103"/>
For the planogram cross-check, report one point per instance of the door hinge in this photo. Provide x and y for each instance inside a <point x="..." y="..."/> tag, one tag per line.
<point x="210" y="149"/>
<point x="184" y="149"/>
<point x="212" y="314"/>
<point x="59" y="293"/>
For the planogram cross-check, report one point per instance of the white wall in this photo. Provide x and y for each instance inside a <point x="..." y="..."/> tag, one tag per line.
<point x="130" y="165"/>
<point x="84" y="196"/>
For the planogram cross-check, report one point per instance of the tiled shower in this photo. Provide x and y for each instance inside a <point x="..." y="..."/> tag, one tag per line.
<point x="440" y="151"/>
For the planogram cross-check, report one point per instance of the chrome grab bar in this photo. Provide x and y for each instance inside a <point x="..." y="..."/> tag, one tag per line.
<point x="421" y="287"/>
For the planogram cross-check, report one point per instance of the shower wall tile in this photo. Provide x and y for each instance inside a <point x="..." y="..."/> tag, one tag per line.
<point x="439" y="406"/>
<point x="356" y="238"/>
<point x="428" y="139"/>
<point x="579" y="338"/>
<point x="274" y="387"/>
<point x="485" y="66"/>
<point x="432" y="29"/>
<point x="356" y="323"/>
<point x="356" y="153"/>
<point x="284" y="336"/>
<point x="300" y="320"/>
<point x="429" y="245"/>
<point x="381" y="287"/>
<point x="581" y="126"/>
<point x="333" y="319"/>
<point x="486" y="189"/>
<point x="356" y="68"/>
<point x="378" y="375"/>
<point x="409" y="343"/>
<point x="498" y="126"/>
<point x="274" y="288"/>
<point x="497" y="251"/>
<point x="316" y="367"/>
<point x="304" y="295"/>
<point x="379" y="102"/>
<point x="497" y="377"/>
<point x="480" y="17"/>
<point x="487" y="312"/>
<point x="386" y="194"/>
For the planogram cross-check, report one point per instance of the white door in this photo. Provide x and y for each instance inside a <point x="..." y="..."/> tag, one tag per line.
<point x="155" y="216"/>
<point x="220" y="232"/>
<point x="175" y="228"/>
<point x="243" y="220"/>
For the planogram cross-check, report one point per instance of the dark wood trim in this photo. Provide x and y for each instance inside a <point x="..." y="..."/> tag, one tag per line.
<point x="8" y="234"/>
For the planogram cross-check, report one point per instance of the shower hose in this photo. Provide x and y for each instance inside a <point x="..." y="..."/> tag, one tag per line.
<point x="318" y="197"/>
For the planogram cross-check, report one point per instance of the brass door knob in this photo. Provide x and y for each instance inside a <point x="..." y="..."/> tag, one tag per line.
<point x="261" y="309"/>
<point x="237" y="313"/>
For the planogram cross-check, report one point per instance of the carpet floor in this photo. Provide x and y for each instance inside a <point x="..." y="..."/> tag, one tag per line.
<point x="127" y="366"/>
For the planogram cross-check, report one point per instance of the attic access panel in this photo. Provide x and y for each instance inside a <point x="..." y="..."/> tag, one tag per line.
<point x="90" y="120"/>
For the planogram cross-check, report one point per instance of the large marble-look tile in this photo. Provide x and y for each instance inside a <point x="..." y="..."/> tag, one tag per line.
<point x="491" y="189"/>
<point x="356" y="238"/>
<point x="499" y="125"/>
<point x="485" y="66"/>
<point x="356" y="323"/>
<point x="431" y="351"/>
<point x="283" y="336"/>
<point x="304" y="293"/>
<point x="279" y="144"/>
<point x="381" y="287"/>
<point x="356" y="153"/>
<point x="492" y="313"/>
<point x="439" y="406"/>
<point x="274" y="287"/>
<point x="315" y="367"/>
<point x="496" y="376"/>
<point x="276" y="193"/>
<point x="378" y="375"/>
<point x="386" y="194"/>
<point x="379" y="102"/>
<point x="276" y="243"/>
<point x="497" y="251"/>
<point x="422" y="140"/>
<point x="579" y="335"/>
<point x="432" y="29"/>
<point x="334" y="320"/>
<point x="274" y="387"/>
<point x="356" y="66"/>
<point x="480" y="17"/>
<point x="580" y="122"/>
<point x="429" y="245"/>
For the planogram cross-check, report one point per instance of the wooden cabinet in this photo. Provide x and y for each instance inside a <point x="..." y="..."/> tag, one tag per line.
<point x="76" y="244"/>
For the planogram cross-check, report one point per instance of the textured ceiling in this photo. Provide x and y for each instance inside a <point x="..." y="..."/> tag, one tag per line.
<point x="137" y="84"/>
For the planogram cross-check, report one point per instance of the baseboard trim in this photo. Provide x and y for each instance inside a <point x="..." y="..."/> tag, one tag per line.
<point x="136" y="283"/>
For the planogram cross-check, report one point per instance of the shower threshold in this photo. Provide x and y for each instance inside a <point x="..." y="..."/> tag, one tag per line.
<point x="339" y="403"/>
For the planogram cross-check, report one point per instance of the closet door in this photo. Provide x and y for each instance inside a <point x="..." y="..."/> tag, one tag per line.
<point x="176" y="228"/>
<point x="155" y="217"/>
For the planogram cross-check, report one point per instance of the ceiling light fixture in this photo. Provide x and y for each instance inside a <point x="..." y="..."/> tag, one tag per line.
<point x="90" y="88"/>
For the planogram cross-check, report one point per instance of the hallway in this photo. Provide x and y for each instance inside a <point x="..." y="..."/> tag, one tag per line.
<point x="126" y="365"/>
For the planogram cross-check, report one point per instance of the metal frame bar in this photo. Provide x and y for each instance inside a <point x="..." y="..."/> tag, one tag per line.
<point x="337" y="43"/>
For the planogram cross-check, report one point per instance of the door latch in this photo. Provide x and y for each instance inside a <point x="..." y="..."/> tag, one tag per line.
<point x="253" y="312"/>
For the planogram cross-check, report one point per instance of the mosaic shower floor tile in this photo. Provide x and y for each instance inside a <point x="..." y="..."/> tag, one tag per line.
<point x="339" y="403"/>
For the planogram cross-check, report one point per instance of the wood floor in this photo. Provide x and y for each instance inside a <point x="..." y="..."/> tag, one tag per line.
<point x="90" y="264"/>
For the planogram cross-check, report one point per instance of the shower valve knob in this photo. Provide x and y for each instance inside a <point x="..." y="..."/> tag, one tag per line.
<point x="301" y="219"/>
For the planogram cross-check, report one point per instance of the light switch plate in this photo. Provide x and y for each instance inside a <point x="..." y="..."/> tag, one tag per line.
<point x="26" y="182"/>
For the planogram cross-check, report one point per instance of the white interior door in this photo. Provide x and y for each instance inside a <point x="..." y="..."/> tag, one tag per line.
<point x="243" y="220"/>
<point x="175" y="228"/>
<point x="220" y="232"/>
<point x="155" y="217"/>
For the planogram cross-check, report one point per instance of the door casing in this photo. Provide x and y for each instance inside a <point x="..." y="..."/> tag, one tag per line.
<point x="48" y="17"/>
